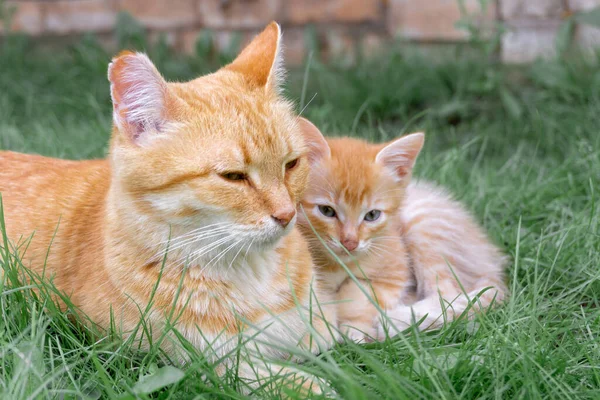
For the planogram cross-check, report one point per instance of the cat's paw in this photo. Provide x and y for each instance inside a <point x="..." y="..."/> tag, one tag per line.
<point x="395" y="321"/>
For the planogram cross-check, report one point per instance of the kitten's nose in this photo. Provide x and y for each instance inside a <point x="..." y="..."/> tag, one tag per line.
<point x="350" y="243"/>
<point x="283" y="216"/>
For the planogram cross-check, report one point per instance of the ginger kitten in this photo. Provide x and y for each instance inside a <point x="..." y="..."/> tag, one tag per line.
<point x="401" y="240"/>
<point x="205" y="175"/>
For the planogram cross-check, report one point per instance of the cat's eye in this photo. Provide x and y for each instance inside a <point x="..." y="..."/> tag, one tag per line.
<point x="290" y="165"/>
<point x="327" y="211"/>
<point x="372" y="215"/>
<point x="234" y="176"/>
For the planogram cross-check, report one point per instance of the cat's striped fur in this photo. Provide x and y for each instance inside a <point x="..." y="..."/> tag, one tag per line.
<point x="210" y="170"/>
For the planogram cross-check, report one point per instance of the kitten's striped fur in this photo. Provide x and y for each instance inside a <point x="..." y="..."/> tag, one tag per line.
<point x="409" y="258"/>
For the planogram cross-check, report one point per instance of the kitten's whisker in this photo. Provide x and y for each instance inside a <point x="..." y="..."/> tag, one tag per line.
<point x="383" y="250"/>
<point x="390" y="238"/>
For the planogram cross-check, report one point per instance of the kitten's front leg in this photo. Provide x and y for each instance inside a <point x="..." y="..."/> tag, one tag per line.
<point x="425" y="314"/>
<point x="357" y="306"/>
<point x="434" y="311"/>
<point x="356" y="310"/>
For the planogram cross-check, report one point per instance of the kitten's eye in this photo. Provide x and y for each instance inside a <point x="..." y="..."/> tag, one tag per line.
<point x="327" y="211"/>
<point x="372" y="215"/>
<point x="290" y="165"/>
<point x="234" y="176"/>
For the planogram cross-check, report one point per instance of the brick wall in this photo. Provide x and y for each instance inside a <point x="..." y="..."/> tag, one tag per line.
<point x="339" y="26"/>
<point x="533" y="27"/>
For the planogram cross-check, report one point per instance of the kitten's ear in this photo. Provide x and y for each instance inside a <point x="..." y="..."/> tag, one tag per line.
<point x="261" y="62"/>
<point x="318" y="148"/>
<point x="401" y="154"/>
<point x="139" y="95"/>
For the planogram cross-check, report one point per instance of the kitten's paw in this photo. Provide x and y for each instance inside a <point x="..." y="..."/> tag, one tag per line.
<point x="357" y="336"/>
<point x="313" y="385"/>
<point x="395" y="321"/>
<point x="363" y="334"/>
<point x="289" y="383"/>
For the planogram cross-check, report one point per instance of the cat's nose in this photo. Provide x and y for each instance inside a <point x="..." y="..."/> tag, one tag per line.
<point x="350" y="244"/>
<point x="283" y="216"/>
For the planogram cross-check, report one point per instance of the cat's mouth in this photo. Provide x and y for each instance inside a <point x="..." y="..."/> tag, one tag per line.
<point x="267" y="234"/>
<point x="223" y="242"/>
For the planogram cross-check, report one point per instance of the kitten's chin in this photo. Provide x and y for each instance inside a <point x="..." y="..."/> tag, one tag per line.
<point x="346" y="256"/>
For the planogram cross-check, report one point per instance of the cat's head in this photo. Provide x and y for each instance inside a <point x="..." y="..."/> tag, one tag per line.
<point x="224" y="150"/>
<point x="354" y="193"/>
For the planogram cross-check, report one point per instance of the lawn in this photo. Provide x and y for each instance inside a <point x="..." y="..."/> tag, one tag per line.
<point x="519" y="146"/>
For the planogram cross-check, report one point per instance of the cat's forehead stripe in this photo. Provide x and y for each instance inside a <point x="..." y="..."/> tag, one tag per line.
<point x="245" y="154"/>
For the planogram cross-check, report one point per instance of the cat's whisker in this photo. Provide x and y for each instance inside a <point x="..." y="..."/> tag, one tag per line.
<point x="202" y="229"/>
<point x="227" y="251"/>
<point x="179" y="242"/>
<point x="220" y="255"/>
<point x="325" y="177"/>
<point x="250" y="245"/>
<point x="230" y="267"/>
<point x="188" y="243"/>
<point x="306" y="105"/>
<point x="236" y="255"/>
<point x="331" y="188"/>
<point x="193" y="257"/>
<point x="209" y="227"/>
<point x="211" y="246"/>
<point x="183" y="241"/>
<point x="175" y="245"/>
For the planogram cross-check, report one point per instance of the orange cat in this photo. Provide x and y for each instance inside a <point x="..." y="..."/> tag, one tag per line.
<point x="210" y="170"/>
<point x="405" y="243"/>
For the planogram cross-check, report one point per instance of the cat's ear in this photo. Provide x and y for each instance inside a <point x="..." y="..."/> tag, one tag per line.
<point x="139" y="95"/>
<point x="261" y="62"/>
<point x="401" y="154"/>
<point x="318" y="148"/>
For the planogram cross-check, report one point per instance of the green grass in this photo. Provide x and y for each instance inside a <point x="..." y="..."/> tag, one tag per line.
<point x="519" y="146"/>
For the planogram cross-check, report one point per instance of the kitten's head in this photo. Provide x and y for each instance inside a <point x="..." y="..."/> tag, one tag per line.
<point x="355" y="191"/>
<point x="224" y="150"/>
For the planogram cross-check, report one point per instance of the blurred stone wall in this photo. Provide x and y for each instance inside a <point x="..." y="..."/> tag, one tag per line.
<point x="532" y="27"/>
<point x="337" y="27"/>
